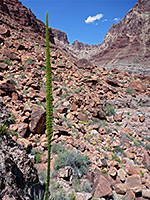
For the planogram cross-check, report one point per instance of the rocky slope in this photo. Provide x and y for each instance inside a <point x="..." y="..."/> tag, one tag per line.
<point x="125" y="46"/>
<point x="128" y="42"/>
<point x="101" y="113"/>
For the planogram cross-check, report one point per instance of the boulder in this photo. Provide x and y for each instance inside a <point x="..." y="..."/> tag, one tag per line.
<point x="134" y="183"/>
<point x="101" y="186"/>
<point x="66" y="173"/>
<point x="22" y="129"/>
<point x="137" y="85"/>
<point x="146" y="193"/>
<point x="38" y="120"/>
<point x="3" y="30"/>
<point x="7" y="86"/>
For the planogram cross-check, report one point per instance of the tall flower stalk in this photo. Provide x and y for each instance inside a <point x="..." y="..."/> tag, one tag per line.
<point x="49" y="106"/>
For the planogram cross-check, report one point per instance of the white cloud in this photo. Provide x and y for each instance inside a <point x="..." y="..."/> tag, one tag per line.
<point x="116" y="19"/>
<point x="91" y="19"/>
<point x="105" y="20"/>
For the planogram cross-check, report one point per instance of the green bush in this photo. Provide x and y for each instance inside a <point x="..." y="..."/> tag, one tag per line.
<point x="76" y="184"/>
<point x="80" y="163"/>
<point x="109" y="110"/>
<point x="86" y="186"/>
<point x="57" y="148"/>
<point x="72" y="196"/>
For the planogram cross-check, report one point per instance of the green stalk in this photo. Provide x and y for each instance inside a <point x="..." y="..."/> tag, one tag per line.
<point x="49" y="106"/>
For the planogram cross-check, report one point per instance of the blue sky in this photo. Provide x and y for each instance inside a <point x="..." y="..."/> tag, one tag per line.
<point x="85" y="20"/>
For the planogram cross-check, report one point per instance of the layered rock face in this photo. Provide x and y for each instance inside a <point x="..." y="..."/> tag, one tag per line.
<point x="128" y="42"/>
<point x="125" y="46"/>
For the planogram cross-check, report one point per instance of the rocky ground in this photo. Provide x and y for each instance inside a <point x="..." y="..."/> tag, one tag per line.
<point x="101" y="125"/>
<point x="99" y="113"/>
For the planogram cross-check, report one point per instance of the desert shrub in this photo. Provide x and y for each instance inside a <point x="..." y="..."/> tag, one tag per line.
<point x="57" y="148"/>
<point x="71" y="196"/>
<point x="80" y="163"/>
<point x="109" y="110"/>
<point x="86" y="186"/>
<point x="57" y="192"/>
<point x="76" y="184"/>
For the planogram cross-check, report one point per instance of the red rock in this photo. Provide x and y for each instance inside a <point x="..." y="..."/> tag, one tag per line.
<point x="62" y="109"/>
<point x="122" y="174"/>
<point x="129" y="195"/>
<point x="113" y="171"/>
<point x="24" y="142"/>
<point x="137" y="85"/>
<point x="81" y="116"/>
<point x="101" y="186"/>
<point x="74" y="107"/>
<point x="22" y="129"/>
<point x="7" y="86"/>
<point x="4" y="31"/>
<point x="38" y="120"/>
<point x="112" y="81"/>
<point x="132" y="170"/>
<point x="142" y="118"/>
<point x="118" y="118"/>
<point x="134" y="183"/>
<point x="146" y="160"/>
<point x="120" y="188"/>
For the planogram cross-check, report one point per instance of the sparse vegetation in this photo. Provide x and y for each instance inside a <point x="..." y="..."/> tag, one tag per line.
<point x="109" y="110"/>
<point x="129" y="91"/>
<point x="80" y="163"/>
<point x="8" y="62"/>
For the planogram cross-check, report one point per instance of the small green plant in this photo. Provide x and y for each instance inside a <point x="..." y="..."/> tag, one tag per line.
<point x="109" y="110"/>
<point x="147" y="147"/>
<point x="8" y="62"/>
<point x="21" y="67"/>
<point x="109" y="148"/>
<point x="142" y="173"/>
<point x="85" y="137"/>
<point x="57" y="192"/>
<point x="83" y="122"/>
<point x="38" y="158"/>
<point x="104" y="171"/>
<point x="114" y="157"/>
<point x="141" y="104"/>
<point x="137" y="143"/>
<point x="29" y="61"/>
<point x="94" y="143"/>
<point x="3" y="130"/>
<point x="72" y="196"/>
<point x="117" y="124"/>
<point x="11" y="119"/>
<point x="118" y="149"/>
<point x="20" y="39"/>
<point x="13" y="133"/>
<point x="129" y="91"/>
